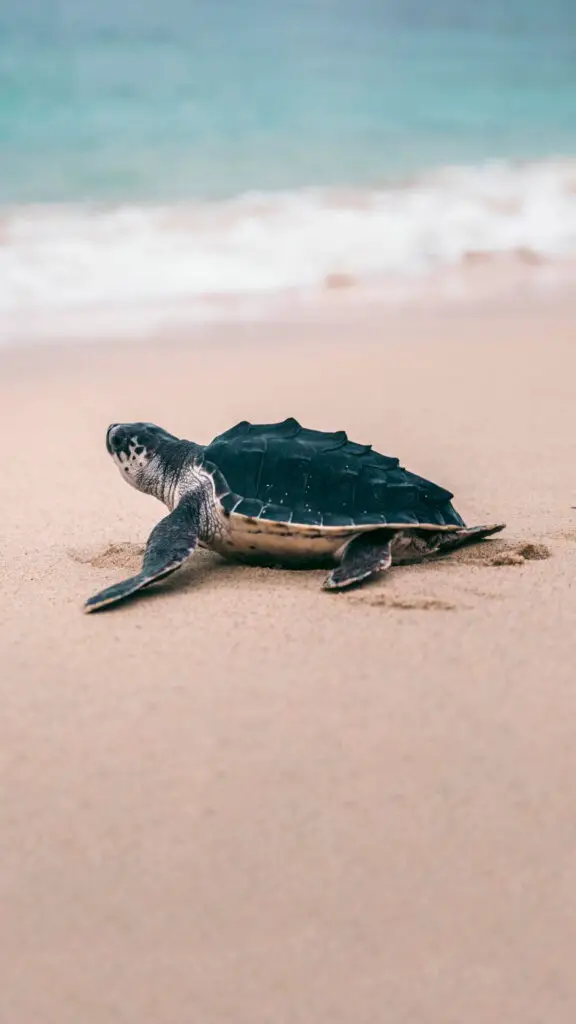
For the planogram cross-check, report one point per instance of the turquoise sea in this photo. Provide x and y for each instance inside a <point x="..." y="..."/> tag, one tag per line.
<point x="178" y="148"/>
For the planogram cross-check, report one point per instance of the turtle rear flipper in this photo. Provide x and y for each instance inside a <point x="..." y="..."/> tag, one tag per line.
<point x="363" y="557"/>
<point x="467" y="535"/>
<point x="417" y="545"/>
<point x="171" y="542"/>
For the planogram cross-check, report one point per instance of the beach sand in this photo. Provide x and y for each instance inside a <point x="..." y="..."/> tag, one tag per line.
<point x="240" y="799"/>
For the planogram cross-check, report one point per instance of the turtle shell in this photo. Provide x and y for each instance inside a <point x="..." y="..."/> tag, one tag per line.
<point x="285" y="473"/>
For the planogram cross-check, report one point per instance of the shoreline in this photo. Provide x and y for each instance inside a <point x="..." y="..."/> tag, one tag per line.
<point x="462" y="294"/>
<point x="453" y="234"/>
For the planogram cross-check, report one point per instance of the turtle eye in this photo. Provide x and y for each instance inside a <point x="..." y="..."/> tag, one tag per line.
<point x="139" y="449"/>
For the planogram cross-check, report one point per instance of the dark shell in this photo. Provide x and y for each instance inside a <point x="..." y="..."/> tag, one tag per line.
<point x="286" y="473"/>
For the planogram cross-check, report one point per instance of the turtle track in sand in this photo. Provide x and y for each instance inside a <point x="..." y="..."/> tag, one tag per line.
<point x="487" y="554"/>
<point x="497" y="553"/>
<point x="124" y="555"/>
<point x="493" y="553"/>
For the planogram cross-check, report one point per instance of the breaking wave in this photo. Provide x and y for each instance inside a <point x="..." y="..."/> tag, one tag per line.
<point x="62" y="259"/>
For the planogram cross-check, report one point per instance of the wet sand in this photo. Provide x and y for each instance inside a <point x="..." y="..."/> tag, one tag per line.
<point x="242" y="800"/>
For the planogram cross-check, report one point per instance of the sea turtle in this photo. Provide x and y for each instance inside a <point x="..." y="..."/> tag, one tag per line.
<point x="279" y="494"/>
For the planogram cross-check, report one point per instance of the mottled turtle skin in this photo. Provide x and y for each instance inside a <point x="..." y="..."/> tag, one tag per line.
<point x="282" y="494"/>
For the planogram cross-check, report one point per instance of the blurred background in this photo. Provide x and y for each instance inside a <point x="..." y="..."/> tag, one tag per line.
<point x="176" y="152"/>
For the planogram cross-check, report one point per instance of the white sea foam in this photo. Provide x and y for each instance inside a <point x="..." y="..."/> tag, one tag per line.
<point x="119" y="260"/>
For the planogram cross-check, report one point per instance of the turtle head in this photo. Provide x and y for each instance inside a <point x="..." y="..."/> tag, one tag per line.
<point x="148" y="457"/>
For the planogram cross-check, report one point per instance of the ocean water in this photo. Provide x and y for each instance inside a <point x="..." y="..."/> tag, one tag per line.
<point x="173" y="150"/>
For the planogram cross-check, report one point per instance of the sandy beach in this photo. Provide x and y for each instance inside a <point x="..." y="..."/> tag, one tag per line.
<point x="240" y="799"/>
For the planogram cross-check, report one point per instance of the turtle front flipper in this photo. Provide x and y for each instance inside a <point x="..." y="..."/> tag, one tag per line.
<point x="365" y="555"/>
<point x="171" y="542"/>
